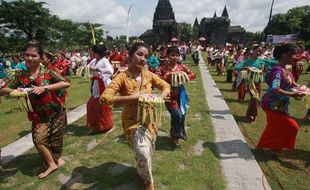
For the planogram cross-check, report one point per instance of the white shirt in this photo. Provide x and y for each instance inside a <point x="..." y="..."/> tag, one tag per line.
<point x="104" y="71"/>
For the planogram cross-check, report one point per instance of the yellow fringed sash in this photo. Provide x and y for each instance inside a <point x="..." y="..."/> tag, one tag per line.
<point x="23" y="101"/>
<point x="300" y="65"/>
<point x="85" y="70"/>
<point x="179" y="78"/>
<point x="254" y="75"/>
<point x="150" y="109"/>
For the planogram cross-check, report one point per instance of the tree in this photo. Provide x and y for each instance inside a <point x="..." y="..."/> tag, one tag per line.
<point x="295" y="21"/>
<point x="4" y="44"/>
<point x="186" y="32"/>
<point x="255" y="37"/>
<point x="25" y="20"/>
<point x="26" y="16"/>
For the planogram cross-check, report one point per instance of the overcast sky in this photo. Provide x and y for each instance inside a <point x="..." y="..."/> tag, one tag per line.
<point x="251" y="14"/>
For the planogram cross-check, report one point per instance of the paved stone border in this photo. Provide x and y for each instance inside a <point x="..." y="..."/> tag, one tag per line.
<point x="19" y="147"/>
<point x="239" y="166"/>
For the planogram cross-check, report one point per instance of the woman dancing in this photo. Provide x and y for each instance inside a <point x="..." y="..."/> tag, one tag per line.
<point x="129" y="84"/>
<point x="178" y="104"/>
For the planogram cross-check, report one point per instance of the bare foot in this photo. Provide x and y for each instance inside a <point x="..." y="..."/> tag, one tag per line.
<point x="60" y="162"/>
<point x="307" y="117"/>
<point x="176" y="141"/>
<point x="149" y="186"/>
<point x="109" y="130"/>
<point x="49" y="170"/>
<point x="93" y="132"/>
<point x="252" y="119"/>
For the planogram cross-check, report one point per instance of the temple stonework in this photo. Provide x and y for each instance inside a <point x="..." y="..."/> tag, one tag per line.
<point x="217" y="30"/>
<point x="165" y="27"/>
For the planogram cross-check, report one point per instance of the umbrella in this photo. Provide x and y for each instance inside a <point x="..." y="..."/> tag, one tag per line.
<point x="174" y="40"/>
<point x="202" y="39"/>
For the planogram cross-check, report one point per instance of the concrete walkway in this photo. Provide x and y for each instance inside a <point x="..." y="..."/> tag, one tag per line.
<point x="239" y="166"/>
<point x="19" y="147"/>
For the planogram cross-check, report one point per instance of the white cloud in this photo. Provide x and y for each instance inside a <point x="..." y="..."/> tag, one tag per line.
<point x="250" y="14"/>
<point x="107" y="12"/>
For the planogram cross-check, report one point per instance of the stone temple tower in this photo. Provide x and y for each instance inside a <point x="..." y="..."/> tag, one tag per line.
<point x="165" y="26"/>
<point x="216" y="29"/>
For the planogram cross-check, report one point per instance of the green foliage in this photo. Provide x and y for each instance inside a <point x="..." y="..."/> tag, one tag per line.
<point x="295" y="21"/>
<point x="195" y="33"/>
<point x="186" y="32"/>
<point x="25" y="20"/>
<point x="27" y="16"/>
<point x="3" y="42"/>
<point x="255" y="37"/>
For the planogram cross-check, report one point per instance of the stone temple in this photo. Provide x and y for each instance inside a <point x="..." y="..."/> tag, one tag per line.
<point x="216" y="30"/>
<point x="165" y="27"/>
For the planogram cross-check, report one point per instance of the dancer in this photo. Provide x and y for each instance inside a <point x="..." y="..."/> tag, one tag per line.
<point x="243" y="69"/>
<point x="178" y="104"/>
<point x="48" y="115"/>
<point x="230" y="65"/>
<point x="281" y="129"/>
<point x="153" y="62"/>
<point x="99" y="117"/>
<point x="129" y="84"/>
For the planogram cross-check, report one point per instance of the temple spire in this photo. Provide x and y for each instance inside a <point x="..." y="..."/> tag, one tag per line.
<point x="163" y="11"/>
<point x="214" y="16"/>
<point x="196" y="24"/>
<point x="225" y="12"/>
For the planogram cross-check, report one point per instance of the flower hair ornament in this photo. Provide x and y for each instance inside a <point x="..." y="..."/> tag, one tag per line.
<point x="138" y="41"/>
<point x="33" y="42"/>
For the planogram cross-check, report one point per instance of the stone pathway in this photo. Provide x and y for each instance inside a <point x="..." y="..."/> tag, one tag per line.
<point x="92" y="144"/>
<point x="19" y="147"/>
<point x="198" y="148"/>
<point x="239" y="166"/>
<point x="118" y="168"/>
<point x="70" y="181"/>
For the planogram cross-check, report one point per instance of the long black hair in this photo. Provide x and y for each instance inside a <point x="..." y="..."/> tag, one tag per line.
<point x="173" y="49"/>
<point x="283" y="49"/>
<point x="36" y="45"/>
<point x="99" y="49"/>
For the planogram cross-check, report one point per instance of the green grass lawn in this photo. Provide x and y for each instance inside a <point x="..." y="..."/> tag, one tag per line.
<point x="174" y="168"/>
<point x="289" y="171"/>
<point x="14" y="124"/>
